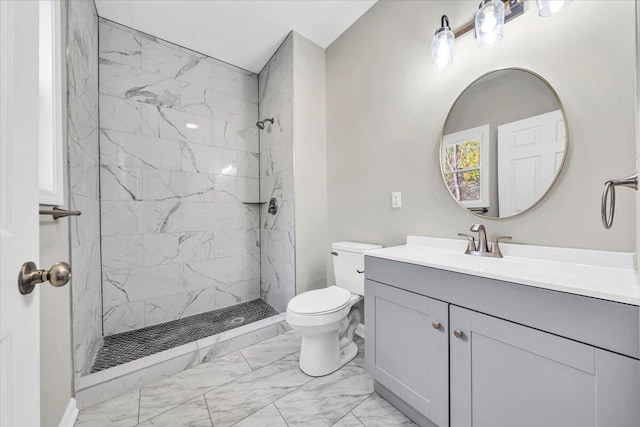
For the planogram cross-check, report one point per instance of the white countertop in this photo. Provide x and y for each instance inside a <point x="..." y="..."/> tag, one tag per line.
<point x="598" y="274"/>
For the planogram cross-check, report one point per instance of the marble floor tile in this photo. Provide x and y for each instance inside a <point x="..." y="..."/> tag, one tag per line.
<point x="119" y="412"/>
<point x="209" y="352"/>
<point x="191" y="414"/>
<point x="243" y="397"/>
<point x="359" y="359"/>
<point x="377" y="412"/>
<point x="273" y="349"/>
<point x="269" y="416"/>
<point x="348" y="420"/>
<point x="283" y="327"/>
<point x="172" y="391"/>
<point x="325" y="400"/>
<point x="227" y="392"/>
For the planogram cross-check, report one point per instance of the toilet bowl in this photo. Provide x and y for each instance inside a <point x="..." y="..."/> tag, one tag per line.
<point x="327" y="318"/>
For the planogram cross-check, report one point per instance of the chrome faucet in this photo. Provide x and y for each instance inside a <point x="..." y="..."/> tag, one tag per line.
<point x="483" y="248"/>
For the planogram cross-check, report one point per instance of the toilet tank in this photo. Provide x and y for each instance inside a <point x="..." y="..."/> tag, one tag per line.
<point x="348" y="257"/>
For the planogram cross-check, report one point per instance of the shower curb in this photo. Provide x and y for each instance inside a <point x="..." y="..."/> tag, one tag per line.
<point x="109" y="383"/>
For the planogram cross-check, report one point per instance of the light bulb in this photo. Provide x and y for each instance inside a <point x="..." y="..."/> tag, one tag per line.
<point x="489" y="22"/>
<point x="555" y="6"/>
<point x="551" y="7"/>
<point x="442" y="46"/>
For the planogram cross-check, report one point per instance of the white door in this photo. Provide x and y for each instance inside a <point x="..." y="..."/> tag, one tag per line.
<point x="19" y="314"/>
<point x="530" y="152"/>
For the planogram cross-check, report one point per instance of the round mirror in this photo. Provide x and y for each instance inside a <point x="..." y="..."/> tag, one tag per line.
<point x="504" y="143"/>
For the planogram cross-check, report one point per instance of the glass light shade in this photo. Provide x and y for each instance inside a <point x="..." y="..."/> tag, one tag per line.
<point x="442" y="48"/>
<point x="489" y="22"/>
<point x="551" y="7"/>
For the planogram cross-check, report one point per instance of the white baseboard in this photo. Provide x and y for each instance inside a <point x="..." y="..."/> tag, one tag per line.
<point x="360" y="330"/>
<point x="70" y="414"/>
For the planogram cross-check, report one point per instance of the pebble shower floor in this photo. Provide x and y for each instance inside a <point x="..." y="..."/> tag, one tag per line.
<point x="125" y="347"/>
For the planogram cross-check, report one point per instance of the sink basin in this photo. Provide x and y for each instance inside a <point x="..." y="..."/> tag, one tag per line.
<point x="476" y="262"/>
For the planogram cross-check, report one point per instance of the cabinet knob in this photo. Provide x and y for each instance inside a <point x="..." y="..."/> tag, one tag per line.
<point x="436" y="325"/>
<point x="458" y="333"/>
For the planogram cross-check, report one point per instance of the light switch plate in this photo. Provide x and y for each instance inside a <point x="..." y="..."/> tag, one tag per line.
<point x="396" y="199"/>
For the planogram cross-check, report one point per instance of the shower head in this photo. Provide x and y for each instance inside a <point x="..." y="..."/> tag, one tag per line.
<point x="261" y="123"/>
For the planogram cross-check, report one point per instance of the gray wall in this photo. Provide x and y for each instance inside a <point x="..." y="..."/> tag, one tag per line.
<point x="277" y="278"/>
<point x="386" y="106"/>
<point x="177" y="237"/>
<point x="83" y="158"/>
<point x="56" y="361"/>
<point x="310" y="159"/>
<point x="502" y="98"/>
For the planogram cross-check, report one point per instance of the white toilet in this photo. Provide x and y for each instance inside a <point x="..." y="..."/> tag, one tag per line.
<point x="327" y="318"/>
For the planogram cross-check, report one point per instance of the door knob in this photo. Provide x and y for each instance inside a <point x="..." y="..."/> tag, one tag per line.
<point x="458" y="333"/>
<point x="436" y="325"/>
<point x="58" y="275"/>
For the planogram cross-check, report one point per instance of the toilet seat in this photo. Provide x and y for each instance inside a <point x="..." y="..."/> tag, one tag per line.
<point x="320" y="301"/>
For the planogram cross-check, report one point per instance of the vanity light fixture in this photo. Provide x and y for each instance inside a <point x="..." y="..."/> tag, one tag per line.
<point x="442" y="45"/>
<point x="551" y="7"/>
<point x="488" y="25"/>
<point x="489" y="22"/>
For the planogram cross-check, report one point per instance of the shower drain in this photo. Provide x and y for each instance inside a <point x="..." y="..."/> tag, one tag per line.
<point x="236" y="320"/>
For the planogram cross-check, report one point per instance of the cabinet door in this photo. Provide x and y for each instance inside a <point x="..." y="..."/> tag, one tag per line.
<point x="504" y="375"/>
<point x="405" y="352"/>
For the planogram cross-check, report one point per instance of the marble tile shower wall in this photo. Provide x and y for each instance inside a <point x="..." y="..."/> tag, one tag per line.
<point x="83" y="158"/>
<point x="176" y="238"/>
<point x="277" y="285"/>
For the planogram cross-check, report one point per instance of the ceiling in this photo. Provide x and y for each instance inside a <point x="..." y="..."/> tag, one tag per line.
<point x="244" y="33"/>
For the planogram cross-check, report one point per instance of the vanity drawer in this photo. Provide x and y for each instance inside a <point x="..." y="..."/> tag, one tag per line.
<point x="605" y="324"/>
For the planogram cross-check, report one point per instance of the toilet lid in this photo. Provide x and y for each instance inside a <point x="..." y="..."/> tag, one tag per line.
<point x="320" y="301"/>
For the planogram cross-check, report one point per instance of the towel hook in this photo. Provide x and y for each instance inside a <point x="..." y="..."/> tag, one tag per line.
<point x="608" y="204"/>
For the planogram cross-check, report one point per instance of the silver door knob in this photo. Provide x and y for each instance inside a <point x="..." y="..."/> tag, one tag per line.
<point x="458" y="333"/>
<point x="436" y="325"/>
<point x="58" y="275"/>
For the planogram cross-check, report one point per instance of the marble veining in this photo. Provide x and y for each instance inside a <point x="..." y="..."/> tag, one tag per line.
<point x="109" y="383"/>
<point x="119" y="412"/>
<point x="239" y="399"/>
<point x="84" y="172"/>
<point x="269" y="416"/>
<point x="267" y="352"/>
<point x="178" y="157"/>
<point x="228" y="391"/>
<point x="277" y="232"/>
<point x="191" y="414"/>
<point x="327" y="400"/>
<point x="179" y="388"/>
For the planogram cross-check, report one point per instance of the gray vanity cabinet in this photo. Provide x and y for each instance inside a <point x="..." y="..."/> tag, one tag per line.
<point x="504" y="374"/>
<point x="409" y="348"/>
<point x="503" y="355"/>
